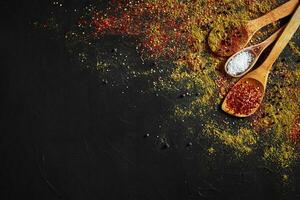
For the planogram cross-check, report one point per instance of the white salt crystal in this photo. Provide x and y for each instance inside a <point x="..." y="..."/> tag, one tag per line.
<point x="240" y="63"/>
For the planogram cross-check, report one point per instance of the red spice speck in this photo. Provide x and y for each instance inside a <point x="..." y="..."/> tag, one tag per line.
<point x="244" y="97"/>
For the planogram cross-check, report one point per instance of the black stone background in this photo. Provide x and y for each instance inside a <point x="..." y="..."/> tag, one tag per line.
<point x="64" y="135"/>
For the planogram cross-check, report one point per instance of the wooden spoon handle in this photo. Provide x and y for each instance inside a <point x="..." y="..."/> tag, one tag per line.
<point x="274" y="15"/>
<point x="283" y="40"/>
<point x="272" y="38"/>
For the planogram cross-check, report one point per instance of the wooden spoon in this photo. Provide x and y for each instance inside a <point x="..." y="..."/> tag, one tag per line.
<point x="230" y="38"/>
<point x="257" y="79"/>
<point x="255" y="51"/>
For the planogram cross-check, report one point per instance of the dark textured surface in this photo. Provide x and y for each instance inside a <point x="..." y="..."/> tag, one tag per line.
<point x="65" y="135"/>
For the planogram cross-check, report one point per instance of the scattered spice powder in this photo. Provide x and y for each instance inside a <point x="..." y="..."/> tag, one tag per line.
<point x="244" y="97"/>
<point x="294" y="48"/>
<point x="161" y="26"/>
<point x="243" y="140"/>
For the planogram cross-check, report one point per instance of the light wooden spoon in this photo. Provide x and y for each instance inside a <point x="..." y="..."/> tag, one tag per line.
<point x="255" y="51"/>
<point x="258" y="78"/>
<point x="229" y="38"/>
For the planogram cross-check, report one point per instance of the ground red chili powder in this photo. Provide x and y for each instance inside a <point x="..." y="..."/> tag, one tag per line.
<point x="244" y="97"/>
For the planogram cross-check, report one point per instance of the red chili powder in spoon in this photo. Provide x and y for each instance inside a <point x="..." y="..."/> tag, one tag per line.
<point x="244" y="97"/>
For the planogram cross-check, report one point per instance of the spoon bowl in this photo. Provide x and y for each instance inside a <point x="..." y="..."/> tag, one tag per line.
<point x="244" y="98"/>
<point x="227" y="39"/>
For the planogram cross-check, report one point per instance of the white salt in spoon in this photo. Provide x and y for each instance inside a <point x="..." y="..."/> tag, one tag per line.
<point x="242" y="61"/>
